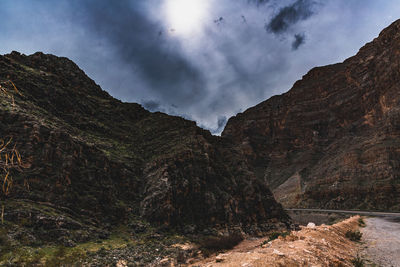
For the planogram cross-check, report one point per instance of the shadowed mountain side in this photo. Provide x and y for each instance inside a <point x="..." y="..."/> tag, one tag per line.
<point x="103" y="161"/>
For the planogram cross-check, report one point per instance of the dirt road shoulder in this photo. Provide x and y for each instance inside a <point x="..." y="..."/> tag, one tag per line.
<point x="311" y="246"/>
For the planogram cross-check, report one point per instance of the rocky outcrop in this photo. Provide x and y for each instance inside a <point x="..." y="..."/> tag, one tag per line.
<point x="332" y="141"/>
<point x="107" y="161"/>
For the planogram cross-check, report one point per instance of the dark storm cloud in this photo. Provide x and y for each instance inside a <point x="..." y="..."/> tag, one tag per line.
<point x="258" y="2"/>
<point x="151" y="105"/>
<point x="290" y="15"/>
<point x="159" y="106"/>
<point x="299" y="39"/>
<point x="220" y="70"/>
<point x="222" y="120"/>
<point x="220" y="125"/>
<point x="140" y="43"/>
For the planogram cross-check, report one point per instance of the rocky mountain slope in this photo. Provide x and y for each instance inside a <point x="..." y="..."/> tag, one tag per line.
<point x="333" y="140"/>
<point x="92" y="163"/>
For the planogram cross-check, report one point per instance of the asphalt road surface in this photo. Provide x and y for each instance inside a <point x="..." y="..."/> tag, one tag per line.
<point x="355" y="212"/>
<point x="381" y="241"/>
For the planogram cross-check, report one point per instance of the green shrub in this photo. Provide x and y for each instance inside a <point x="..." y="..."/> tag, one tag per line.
<point x="354" y="235"/>
<point x="358" y="261"/>
<point x="361" y="222"/>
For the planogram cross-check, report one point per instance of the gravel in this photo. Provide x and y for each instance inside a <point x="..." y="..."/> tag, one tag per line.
<point x="381" y="239"/>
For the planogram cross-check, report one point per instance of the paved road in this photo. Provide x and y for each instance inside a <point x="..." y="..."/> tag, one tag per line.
<point x="381" y="241"/>
<point x="363" y="213"/>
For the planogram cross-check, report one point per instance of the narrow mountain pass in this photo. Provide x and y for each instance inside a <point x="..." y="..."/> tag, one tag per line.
<point x="381" y="241"/>
<point x="311" y="246"/>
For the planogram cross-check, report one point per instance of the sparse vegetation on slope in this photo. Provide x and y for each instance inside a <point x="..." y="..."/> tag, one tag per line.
<point x="94" y="163"/>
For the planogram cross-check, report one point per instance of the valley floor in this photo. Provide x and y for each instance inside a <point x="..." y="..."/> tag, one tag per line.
<point x="311" y="246"/>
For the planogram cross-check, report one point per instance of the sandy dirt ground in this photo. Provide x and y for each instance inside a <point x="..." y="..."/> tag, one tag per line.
<point x="318" y="246"/>
<point x="381" y="241"/>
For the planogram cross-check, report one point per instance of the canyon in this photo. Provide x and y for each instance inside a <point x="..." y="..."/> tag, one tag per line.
<point x="113" y="182"/>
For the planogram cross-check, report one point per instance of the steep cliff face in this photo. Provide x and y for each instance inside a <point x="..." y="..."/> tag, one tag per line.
<point x="98" y="161"/>
<point x="333" y="140"/>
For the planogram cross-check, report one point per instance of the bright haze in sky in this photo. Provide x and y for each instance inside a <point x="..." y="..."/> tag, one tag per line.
<point x="186" y="17"/>
<point x="205" y="60"/>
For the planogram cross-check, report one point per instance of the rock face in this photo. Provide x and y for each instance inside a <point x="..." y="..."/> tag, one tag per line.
<point x="333" y="140"/>
<point x="104" y="161"/>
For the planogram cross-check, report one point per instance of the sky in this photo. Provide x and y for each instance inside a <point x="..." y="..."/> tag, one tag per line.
<point x="204" y="60"/>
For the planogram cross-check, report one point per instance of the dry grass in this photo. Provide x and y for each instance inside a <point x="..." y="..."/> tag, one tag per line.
<point x="7" y="92"/>
<point x="10" y="158"/>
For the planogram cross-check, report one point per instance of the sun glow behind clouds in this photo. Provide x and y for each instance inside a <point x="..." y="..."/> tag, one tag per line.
<point x="186" y="16"/>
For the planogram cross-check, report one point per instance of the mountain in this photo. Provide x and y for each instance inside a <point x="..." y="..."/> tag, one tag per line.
<point x="91" y="163"/>
<point x="81" y="169"/>
<point x="333" y="140"/>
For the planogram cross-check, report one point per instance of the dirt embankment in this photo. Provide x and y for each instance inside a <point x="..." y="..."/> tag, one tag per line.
<point x="311" y="246"/>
